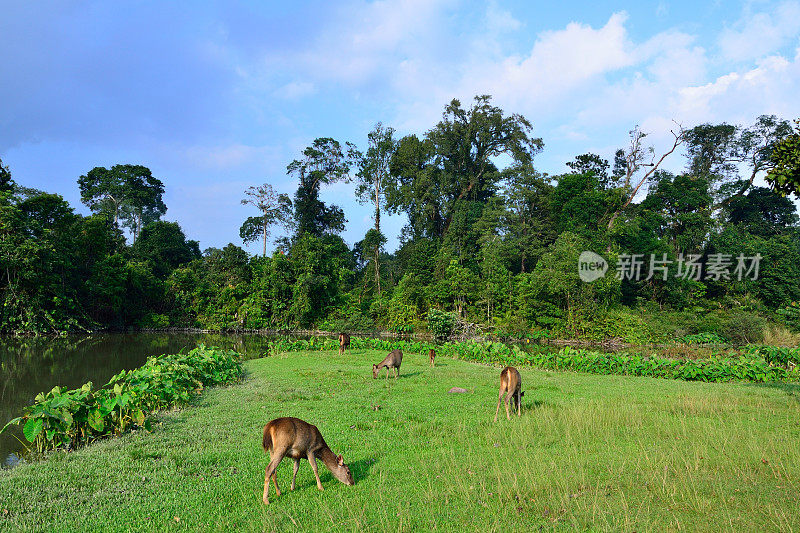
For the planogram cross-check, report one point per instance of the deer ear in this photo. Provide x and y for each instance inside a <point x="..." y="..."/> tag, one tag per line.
<point x="341" y="460"/>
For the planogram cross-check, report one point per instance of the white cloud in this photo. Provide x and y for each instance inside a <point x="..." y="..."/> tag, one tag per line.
<point x="295" y="90"/>
<point x="771" y="87"/>
<point x="755" y="35"/>
<point x="559" y="63"/>
<point x="499" y="20"/>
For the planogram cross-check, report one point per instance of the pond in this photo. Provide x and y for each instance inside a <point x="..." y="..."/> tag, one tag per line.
<point x="32" y="365"/>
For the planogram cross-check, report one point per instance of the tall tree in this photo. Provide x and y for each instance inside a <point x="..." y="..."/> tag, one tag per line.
<point x="373" y="170"/>
<point x="637" y="157"/>
<point x="713" y="151"/>
<point x="164" y="245"/>
<point x="6" y="183"/>
<point x="129" y="193"/>
<point x="784" y="176"/>
<point x="528" y="221"/>
<point x="324" y="162"/>
<point x="757" y="145"/>
<point x="454" y="163"/>
<point x="275" y="209"/>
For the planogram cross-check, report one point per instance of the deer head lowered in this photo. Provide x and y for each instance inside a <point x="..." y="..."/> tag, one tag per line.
<point x="299" y="440"/>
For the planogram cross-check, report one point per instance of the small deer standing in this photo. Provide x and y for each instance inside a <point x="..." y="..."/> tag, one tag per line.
<point x="344" y="342"/>
<point x="392" y="360"/>
<point x="299" y="440"/>
<point x="432" y="356"/>
<point x="511" y="386"/>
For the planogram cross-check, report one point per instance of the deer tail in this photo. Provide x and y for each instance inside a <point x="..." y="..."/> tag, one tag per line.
<point x="267" y="442"/>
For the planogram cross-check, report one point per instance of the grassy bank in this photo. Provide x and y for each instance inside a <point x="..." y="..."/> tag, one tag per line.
<point x="590" y="452"/>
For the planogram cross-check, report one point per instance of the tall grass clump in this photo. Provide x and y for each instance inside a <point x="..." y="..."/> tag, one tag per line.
<point x="781" y="336"/>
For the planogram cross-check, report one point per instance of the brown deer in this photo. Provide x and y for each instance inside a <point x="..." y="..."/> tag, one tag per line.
<point x="344" y="342"/>
<point x="510" y="385"/>
<point x="299" y="440"/>
<point x="432" y="356"/>
<point x="392" y="360"/>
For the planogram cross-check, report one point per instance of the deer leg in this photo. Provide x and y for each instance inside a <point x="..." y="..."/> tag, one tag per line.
<point x="313" y="461"/>
<point x="508" y="398"/>
<point x="499" y="399"/>
<point x="275" y="482"/>
<point x="294" y="474"/>
<point x="519" y="403"/>
<point x="273" y="464"/>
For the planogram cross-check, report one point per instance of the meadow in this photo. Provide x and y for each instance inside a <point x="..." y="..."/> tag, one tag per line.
<point x="590" y="452"/>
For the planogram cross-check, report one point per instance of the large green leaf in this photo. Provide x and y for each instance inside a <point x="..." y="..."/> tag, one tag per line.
<point x="95" y="420"/>
<point x="32" y="428"/>
<point x="60" y="401"/>
<point x="12" y="422"/>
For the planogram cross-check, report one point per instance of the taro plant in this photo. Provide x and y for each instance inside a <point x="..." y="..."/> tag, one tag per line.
<point x="776" y="355"/>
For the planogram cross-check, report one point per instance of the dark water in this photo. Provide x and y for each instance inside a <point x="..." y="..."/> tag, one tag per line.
<point x="29" y="366"/>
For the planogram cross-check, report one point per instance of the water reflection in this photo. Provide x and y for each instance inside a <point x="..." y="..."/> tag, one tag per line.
<point x="32" y="365"/>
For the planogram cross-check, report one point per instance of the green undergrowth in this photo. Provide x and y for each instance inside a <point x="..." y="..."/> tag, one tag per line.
<point x="69" y="418"/>
<point x="779" y="355"/>
<point x="752" y="366"/>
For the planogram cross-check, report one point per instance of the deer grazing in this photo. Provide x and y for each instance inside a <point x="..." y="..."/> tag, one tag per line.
<point x="344" y="342"/>
<point x="392" y="360"/>
<point x="299" y="440"/>
<point x="432" y="356"/>
<point x="510" y="385"/>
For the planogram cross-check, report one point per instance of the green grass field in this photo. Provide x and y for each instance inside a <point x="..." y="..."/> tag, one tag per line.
<point x="589" y="453"/>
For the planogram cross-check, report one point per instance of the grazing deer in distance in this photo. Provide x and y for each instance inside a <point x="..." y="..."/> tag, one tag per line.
<point x="510" y="385"/>
<point x="432" y="356"/>
<point x="299" y="440"/>
<point x="344" y="342"/>
<point x="392" y="360"/>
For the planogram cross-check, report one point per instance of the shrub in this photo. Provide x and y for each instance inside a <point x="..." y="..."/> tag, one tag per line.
<point x="790" y="315"/>
<point x="776" y="355"/>
<point x="441" y="323"/>
<point x="743" y="328"/>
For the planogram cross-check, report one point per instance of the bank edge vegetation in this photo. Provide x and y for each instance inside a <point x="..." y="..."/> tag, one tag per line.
<point x="69" y="418"/>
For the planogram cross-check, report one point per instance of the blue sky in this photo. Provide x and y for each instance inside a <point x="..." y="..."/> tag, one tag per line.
<point x="218" y="96"/>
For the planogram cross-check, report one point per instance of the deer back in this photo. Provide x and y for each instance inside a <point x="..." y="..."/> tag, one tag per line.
<point x="394" y="359"/>
<point x="510" y="380"/>
<point x="292" y="435"/>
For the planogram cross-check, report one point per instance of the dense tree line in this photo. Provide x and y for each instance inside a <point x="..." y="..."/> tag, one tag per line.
<point x="491" y="242"/>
